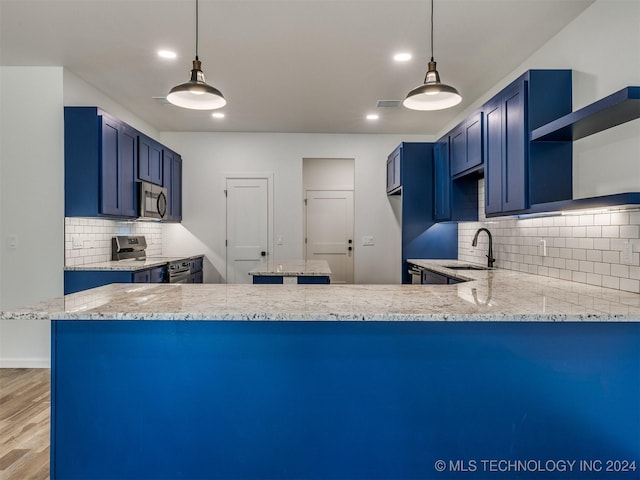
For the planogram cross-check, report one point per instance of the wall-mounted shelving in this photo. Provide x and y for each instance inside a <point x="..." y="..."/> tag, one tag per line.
<point x="620" y="107"/>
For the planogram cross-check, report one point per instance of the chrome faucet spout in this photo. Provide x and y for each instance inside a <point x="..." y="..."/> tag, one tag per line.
<point x="490" y="259"/>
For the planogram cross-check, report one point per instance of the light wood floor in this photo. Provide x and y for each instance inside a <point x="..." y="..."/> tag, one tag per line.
<point x="24" y="423"/>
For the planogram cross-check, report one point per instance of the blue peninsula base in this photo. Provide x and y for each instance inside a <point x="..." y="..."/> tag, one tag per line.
<point x="344" y="400"/>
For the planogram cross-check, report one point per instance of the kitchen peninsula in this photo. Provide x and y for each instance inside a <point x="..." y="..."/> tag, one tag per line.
<point x="342" y="381"/>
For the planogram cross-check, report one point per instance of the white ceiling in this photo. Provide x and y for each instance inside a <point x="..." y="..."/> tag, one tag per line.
<point x="316" y="66"/>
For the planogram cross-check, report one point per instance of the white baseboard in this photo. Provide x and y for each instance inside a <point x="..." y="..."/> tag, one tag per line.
<point x="25" y="363"/>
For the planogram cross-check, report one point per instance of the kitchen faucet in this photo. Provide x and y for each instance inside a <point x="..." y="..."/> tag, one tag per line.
<point x="490" y="258"/>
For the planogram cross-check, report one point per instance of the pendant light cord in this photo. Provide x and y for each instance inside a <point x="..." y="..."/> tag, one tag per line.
<point x="431" y="30"/>
<point x="197" y="30"/>
<point x="426" y="75"/>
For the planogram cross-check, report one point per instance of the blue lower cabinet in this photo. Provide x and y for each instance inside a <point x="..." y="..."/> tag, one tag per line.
<point x="314" y="280"/>
<point x="78" y="280"/>
<point x="354" y="400"/>
<point x="301" y="280"/>
<point x="267" y="280"/>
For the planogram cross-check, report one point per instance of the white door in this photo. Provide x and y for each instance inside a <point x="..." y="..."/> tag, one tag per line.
<point x="329" y="231"/>
<point x="247" y="226"/>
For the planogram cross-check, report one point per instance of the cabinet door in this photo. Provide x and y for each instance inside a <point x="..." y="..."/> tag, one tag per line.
<point x="442" y="181"/>
<point x="473" y="128"/>
<point x="176" y="188"/>
<point x="514" y="166"/>
<point x="118" y="169"/>
<point x="141" y="276"/>
<point x="458" y="146"/>
<point x="109" y="184"/>
<point x="127" y="171"/>
<point x="172" y="174"/>
<point x="394" y="170"/>
<point x="149" y="160"/>
<point x="493" y="156"/>
<point x="157" y="275"/>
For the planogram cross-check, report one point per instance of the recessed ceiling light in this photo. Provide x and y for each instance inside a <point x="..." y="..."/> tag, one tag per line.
<point x="217" y="115"/>
<point x="167" y="54"/>
<point x="373" y="116"/>
<point x="402" y="57"/>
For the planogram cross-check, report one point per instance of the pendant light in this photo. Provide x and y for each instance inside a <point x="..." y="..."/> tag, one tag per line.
<point x="196" y="94"/>
<point x="432" y="95"/>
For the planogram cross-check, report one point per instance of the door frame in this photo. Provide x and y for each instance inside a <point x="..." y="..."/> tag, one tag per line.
<point x="270" y="239"/>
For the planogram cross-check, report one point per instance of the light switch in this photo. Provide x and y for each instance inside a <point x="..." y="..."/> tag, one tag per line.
<point x="13" y="241"/>
<point x="280" y="240"/>
<point x="368" y="241"/>
<point x="77" y="242"/>
<point x="542" y="248"/>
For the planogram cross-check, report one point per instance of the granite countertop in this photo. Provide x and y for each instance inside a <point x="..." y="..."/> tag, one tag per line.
<point x="490" y="295"/>
<point x="130" y="265"/>
<point x="292" y="268"/>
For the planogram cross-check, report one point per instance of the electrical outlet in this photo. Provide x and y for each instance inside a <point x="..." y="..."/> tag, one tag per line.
<point x="77" y="242"/>
<point x="368" y="241"/>
<point x="626" y="256"/>
<point x="280" y="240"/>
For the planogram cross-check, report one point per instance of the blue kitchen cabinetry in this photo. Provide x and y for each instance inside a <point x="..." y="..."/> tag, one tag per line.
<point x="422" y="236"/>
<point x="78" y="280"/>
<point x="172" y="181"/>
<point x="453" y="199"/>
<point x="105" y="158"/>
<point x="394" y="166"/>
<point x="520" y="173"/>
<point x="100" y="164"/>
<point x="222" y="399"/>
<point x="149" y="160"/>
<point x="465" y="143"/>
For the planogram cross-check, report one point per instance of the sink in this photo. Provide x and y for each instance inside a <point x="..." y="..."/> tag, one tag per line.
<point x="466" y="267"/>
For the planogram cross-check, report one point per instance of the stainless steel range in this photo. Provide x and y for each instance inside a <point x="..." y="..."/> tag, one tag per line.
<point x="133" y="247"/>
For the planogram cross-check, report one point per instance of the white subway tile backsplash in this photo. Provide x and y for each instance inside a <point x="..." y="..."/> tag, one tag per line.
<point x="611" y="231"/>
<point x="584" y="248"/>
<point x="96" y="234"/>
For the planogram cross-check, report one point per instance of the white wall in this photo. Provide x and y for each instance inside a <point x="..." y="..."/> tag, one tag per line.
<point x="208" y="156"/>
<point x="32" y="198"/>
<point x="601" y="47"/>
<point x="78" y="93"/>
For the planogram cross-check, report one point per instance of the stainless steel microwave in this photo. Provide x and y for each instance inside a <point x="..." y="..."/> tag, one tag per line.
<point x="152" y="201"/>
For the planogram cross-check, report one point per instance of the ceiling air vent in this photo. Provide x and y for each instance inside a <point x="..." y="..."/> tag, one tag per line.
<point x="389" y="103"/>
<point x="161" y="100"/>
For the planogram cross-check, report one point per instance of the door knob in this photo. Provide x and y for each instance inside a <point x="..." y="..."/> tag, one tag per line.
<point x="263" y="254"/>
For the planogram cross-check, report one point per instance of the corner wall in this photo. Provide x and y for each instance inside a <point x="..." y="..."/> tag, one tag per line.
<point x="31" y="206"/>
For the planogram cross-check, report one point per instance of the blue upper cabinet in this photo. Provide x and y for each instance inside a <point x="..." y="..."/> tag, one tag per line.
<point x="149" y="160"/>
<point x="466" y="145"/>
<point x="520" y="173"/>
<point x="104" y="160"/>
<point x="172" y="181"/>
<point x="394" y="165"/>
<point x="441" y="181"/>
<point x="100" y="164"/>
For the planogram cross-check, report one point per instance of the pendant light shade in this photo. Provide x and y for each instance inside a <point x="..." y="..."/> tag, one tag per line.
<point x="432" y="94"/>
<point x="196" y="94"/>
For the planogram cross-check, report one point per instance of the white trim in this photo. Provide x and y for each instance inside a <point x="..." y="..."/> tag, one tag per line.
<point x="25" y="363"/>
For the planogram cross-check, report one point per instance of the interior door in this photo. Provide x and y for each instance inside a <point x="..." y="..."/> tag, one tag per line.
<point x="247" y="226"/>
<point x="329" y="231"/>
